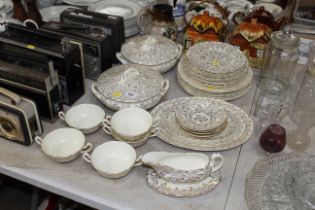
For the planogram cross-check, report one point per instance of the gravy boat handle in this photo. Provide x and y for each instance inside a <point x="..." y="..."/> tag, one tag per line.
<point x="216" y="162"/>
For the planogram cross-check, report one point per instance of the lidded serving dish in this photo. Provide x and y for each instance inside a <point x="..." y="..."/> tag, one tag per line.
<point x="130" y="85"/>
<point x="156" y="52"/>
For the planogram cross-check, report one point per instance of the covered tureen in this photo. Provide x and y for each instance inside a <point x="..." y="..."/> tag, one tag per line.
<point x="130" y="85"/>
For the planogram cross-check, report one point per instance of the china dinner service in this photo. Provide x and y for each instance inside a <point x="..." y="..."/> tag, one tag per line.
<point x="216" y="70"/>
<point x="127" y="9"/>
<point x="130" y="85"/>
<point x="285" y="181"/>
<point x="155" y="52"/>
<point x="84" y="117"/>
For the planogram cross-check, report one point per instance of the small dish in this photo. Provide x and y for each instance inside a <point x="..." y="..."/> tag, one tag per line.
<point x="85" y="117"/>
<point x="183" y="167"/>
<point x="129" y="124"/>
<point x="63" y="144"/>
<point x="112" y="159"/>
<point x="200" y="115"/>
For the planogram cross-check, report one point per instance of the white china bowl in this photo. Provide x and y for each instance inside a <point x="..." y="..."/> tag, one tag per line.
<point x="85" y="117"/>
<point x="130" y="124"/>
<point x="112" y="159"/>
<point x="63" y="144"/>
<point x="53" y="13"/>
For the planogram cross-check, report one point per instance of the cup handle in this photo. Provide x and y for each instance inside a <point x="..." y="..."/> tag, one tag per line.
<point x="121" y="58"/>
<point x="87" y="148"/>
<point x="87" y="157"/>
<point x="107" y="120"/>
<point x="107" y="129"/>
<point x="180" y="51"/>
<point x="38" y="140"/>
<point x="138" y="161"/>
<point x="166" y="85"/>
<point x="95" y="91"/>
<point x="61" y="115"/>
<point x="216" y="161"/>
<point x="142" y="21"/>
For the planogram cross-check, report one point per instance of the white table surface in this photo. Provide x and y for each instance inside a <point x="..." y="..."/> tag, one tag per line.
<point x="78" y="181"/>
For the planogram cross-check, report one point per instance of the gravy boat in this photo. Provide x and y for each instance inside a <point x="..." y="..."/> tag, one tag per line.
<point x="183" y="167"/>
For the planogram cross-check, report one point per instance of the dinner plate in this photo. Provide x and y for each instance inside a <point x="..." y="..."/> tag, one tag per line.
<point x="53" y="13"/>
<point x="79" y="3"/>
<point x="237" y="131"/>
<point x="125" y="8"/>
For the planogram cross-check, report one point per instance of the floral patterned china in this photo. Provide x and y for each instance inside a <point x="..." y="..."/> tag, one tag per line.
<point x="216" y="57"/>
<point x="183" y="189"/>
<point x="130" y="85"/>
<point x="157" y="52"/>
<point x="237" y="131"/>
<point x="183" y="167"/>
<point x="200" y="115"/>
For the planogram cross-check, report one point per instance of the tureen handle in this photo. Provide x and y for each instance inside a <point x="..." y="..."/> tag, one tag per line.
<point x="95" y="91"/>
<point x="129" y="73"/>
<point x="216" y="161"/>
<point x="180" y="51"/>
<point x="165" y="86"/>
<point x="121" y="58"/>
<point x="61" y="115"/>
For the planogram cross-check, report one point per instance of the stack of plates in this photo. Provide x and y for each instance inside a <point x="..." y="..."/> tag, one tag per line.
<point x="125" y="8"/>
<point x="202" y="123"/>
<point x="216" y="70"/>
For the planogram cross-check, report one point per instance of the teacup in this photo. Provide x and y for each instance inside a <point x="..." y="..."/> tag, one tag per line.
<point x="85" y="117"/>
<point x="113" y="159"/>
<point x="129" y="124"/>
<point x="63" y="144"/>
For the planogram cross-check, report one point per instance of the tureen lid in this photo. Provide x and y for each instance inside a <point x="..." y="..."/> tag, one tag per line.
<point x="129" y="83"/>
<point x="150" y="50"/>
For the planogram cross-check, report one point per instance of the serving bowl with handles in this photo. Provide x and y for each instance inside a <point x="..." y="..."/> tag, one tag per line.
<point x="113" y="159"/>
<point x="63" y="144"/>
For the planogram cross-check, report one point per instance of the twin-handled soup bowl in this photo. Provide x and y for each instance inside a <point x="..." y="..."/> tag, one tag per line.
<point x="85" y="117"/>
<point x="63" y="144"/>
<point x="112" y="159"/>
<point x="130" y="125"/>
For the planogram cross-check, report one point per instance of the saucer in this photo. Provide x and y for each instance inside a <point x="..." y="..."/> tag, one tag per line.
<point x="183" y="189"/>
